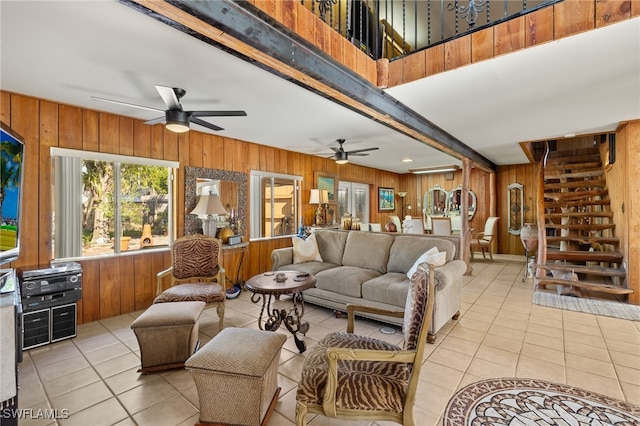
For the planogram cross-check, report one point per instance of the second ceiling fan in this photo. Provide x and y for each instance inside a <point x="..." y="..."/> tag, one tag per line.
<point x="342" y="157"/>
<point x="176" y="118"/>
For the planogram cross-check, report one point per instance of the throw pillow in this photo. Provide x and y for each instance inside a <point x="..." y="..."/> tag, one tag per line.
<point x="432" y="255"/>
<point x="305" y="250"/>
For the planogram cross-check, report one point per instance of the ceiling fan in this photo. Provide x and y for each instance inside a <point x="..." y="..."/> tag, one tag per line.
<point x="342" y="156"/>
<point x="177" y="119"/>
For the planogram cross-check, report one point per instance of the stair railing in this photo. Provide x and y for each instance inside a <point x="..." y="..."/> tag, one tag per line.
<point x="542" y="230"/>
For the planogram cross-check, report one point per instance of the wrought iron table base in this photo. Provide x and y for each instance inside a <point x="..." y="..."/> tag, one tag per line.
<point x="275" y="317"/>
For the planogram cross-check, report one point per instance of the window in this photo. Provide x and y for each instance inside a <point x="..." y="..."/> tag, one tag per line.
<point x="105" y="204"/>
<point x="354" y="198"/>
<point x="275" y="204"/>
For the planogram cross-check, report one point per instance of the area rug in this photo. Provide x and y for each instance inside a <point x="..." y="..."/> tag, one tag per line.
<point x="590" y="306"/>
<point x="530" y="402"/>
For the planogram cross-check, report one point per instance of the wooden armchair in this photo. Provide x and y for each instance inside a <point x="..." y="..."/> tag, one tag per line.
<point x="196" y="273"/>
<point x="353" y="377"/>
<point x="441" y="225"/>
<point x="482" y="240"/>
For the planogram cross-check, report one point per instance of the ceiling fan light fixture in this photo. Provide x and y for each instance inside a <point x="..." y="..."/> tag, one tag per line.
<point x="341" y="157"/>
<point x="177" y="121"/>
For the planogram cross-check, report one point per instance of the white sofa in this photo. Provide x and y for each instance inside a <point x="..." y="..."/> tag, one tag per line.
<point x="370" y="269"/>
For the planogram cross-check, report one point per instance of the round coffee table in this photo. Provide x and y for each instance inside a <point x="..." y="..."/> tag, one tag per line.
<point x="265" y="288"/>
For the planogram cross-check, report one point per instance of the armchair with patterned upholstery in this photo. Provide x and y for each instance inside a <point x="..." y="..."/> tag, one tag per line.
<point x="196" y="273"/>
<point x="353" y="377"/>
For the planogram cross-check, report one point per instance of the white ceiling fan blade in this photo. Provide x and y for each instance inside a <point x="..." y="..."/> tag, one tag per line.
<point x="95" y="98"/>
<point x="169" y="97"/>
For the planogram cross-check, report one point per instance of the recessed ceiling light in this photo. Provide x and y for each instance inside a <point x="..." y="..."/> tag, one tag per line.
<point x="570" y="135"/>
<point x="407" y="160"/>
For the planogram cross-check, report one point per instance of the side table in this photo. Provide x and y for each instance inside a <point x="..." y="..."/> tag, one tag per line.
<point x="232" y="259"/>
<point x="265" y="288"/>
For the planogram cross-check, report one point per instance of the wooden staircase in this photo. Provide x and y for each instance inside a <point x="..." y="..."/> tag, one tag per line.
<point x="579" y="250"/>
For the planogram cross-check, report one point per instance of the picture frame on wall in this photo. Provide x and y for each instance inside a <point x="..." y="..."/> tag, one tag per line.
<point x="328" y="182"/>
<point x="386" y="199"/>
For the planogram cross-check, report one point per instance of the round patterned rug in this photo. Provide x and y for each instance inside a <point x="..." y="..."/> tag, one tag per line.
<point x="515" y="402"/>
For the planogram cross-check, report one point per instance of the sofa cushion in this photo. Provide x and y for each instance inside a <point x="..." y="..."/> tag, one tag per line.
<point x="310" y="267"/>
<point x="345" y="280"/>
<point x="305" y="250"/>
<point x="407" y="248"/>
<point x="390" y="288"/>
<point x="331" y="245"/>
<point x="367" y="250"/>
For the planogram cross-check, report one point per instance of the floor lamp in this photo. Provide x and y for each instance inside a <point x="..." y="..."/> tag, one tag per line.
<point x="402" y="195"/>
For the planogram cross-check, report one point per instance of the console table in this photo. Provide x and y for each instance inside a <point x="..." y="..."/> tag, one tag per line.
<point x="232" y="259"/>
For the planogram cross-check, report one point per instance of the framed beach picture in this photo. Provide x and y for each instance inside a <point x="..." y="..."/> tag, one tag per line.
<point x="328" y="182"/>
<point x="386" y="199"/>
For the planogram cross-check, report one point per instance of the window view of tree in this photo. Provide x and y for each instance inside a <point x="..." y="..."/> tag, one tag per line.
<point x="123" y="206"/>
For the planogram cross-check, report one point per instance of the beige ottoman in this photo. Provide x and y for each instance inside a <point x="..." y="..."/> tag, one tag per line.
<point x="167" y="334"/>
<point x="236" y="375"/>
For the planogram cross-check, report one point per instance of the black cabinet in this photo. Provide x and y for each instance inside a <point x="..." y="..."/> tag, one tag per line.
<point x="48" y="325"/>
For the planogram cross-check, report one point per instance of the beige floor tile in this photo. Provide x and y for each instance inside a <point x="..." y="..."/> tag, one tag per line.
<point x="33" y="415"/>
<point x="587" y="351"/>
<point x="536" y="368"/>
<point x="82" y="398"/>
<point x="440" y="375"/>
<point x="452" y="359"/>
<point x="106" y="413"/>
<point x="545" y="330"/>
<point x="117" y="365"/>
<point x="52" y="371"/>
<point x="128" y="379"/>
<point x="622" y="346"/>
<point x="467" y="334"/>
<point x="572" y="336"/>
<point x="497" y="356"/>
<point x="628" y="375"/>
<point x="171" y="411"/>
<point x="456" y="344"/>
<point x="70" y="382"/>
<point x="179" y="378"/>
<point x="628" y="360"/>
<point x="594" y="382"/>
<point x="600" y="368"/>
<point x="543" y="353"/>
<point x="106" y="353"/>
<point x="51" y="354"/>
<point x="432" y="398"/>
<point x="508" y="332"/>
<point x="146" y="395"/>
<point x="550" y="342"/>
<point x="504" y="343"/>
<point x="582" y="328"/>
<point x="486" y="369"/>
<point x="631" y="392"/>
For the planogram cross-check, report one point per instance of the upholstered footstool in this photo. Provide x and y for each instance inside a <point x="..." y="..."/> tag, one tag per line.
<point x="236" y="375"/>
<point x="167" y="334"/>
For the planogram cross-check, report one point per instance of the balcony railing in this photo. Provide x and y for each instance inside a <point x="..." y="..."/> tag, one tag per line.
<point x="393" y="28"/>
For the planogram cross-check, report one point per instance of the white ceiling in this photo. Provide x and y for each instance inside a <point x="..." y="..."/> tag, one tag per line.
<point x="68" y="51"/>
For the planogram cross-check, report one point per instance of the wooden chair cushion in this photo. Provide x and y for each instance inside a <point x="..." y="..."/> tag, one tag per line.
<point x="370" y="385"/>
<point x="204" y="292"/>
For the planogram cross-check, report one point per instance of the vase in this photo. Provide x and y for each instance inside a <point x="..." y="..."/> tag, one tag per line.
<point x="529" y="236"/>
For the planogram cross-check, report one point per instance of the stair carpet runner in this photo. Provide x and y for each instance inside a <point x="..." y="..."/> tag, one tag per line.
<point x="582" y="250"/>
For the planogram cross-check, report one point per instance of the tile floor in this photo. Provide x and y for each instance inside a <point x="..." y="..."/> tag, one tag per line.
<point x="500" y="333"/>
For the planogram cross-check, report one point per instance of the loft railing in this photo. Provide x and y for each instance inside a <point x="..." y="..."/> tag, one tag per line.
<point x="393" y="28"/>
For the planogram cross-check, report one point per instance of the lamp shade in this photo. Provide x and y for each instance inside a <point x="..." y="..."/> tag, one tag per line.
<point x="324" y="196"/>
<point x="314" y="197"/>
<point x="209" y="204"/>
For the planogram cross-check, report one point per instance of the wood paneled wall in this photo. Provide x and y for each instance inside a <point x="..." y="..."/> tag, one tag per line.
<point x="551" y="23"/>
<point x="126" y="283"/>
<point x="624" y="191"/>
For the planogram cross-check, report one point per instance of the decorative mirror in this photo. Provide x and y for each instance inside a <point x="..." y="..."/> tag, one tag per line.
<point x="231" y="189"/>
<point x="455" y="200"/>
<point x="515" y="201"/>
<point x="435" y="204"/>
